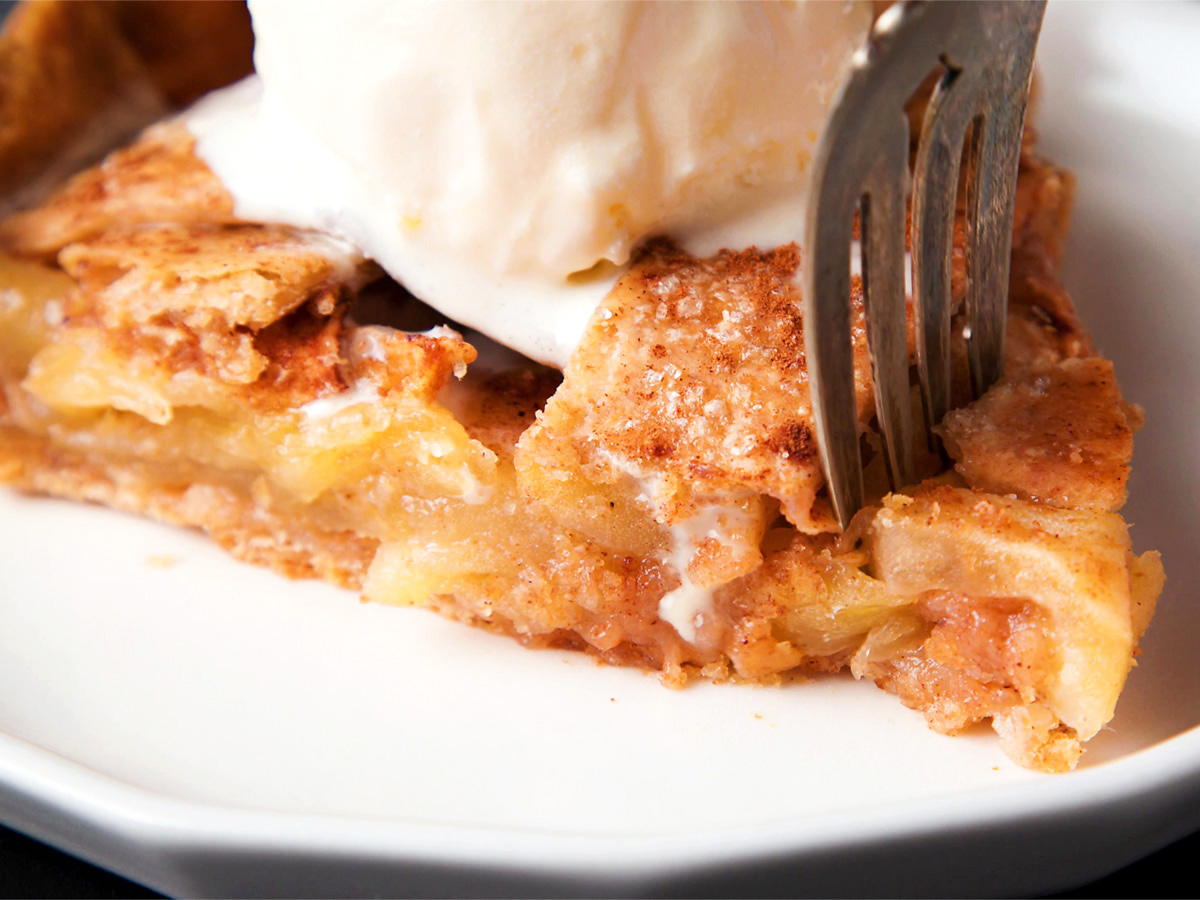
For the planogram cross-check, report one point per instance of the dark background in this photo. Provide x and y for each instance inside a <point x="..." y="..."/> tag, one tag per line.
<point x="32" y="869"/>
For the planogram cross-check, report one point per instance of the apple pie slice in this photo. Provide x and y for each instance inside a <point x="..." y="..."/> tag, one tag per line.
<point x="659" y="503"/>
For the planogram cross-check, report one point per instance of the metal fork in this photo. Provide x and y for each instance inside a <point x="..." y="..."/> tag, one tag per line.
<point x="986" y="52"/>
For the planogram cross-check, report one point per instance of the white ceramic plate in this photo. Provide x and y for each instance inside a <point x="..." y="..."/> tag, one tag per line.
<point x="210" y="729"/>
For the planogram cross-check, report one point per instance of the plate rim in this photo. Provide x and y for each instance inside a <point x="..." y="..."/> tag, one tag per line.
<point x="89" y="813"/>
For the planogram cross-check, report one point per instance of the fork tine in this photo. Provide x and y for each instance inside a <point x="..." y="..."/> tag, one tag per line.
<point x="883" y="216"/>
<point x="995" y="152"/>
<point x="829" y="357"/>
<point x="935" y="191"/>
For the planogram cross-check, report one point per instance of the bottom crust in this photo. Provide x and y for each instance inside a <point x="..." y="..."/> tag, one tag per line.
<point x="251" y="533"/>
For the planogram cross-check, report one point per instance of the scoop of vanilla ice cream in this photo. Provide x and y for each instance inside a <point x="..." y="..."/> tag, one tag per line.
<point x="486" y="152"/>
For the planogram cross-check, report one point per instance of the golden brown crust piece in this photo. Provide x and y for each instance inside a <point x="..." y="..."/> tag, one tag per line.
<point x="1059" y="437"/>
<point x="201" y="299"/>
<point x="157" y="179"/>
<point x="76" y="78"/>
<point x="204" y="277"/>
<point x="693" y="371"/>
<point x="64" y="66"/>
<point x="1073" y="565"/>
<point x="188" y="47"/>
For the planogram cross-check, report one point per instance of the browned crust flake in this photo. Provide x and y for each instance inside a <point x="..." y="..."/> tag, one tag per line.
<point x="78" y="76"/>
